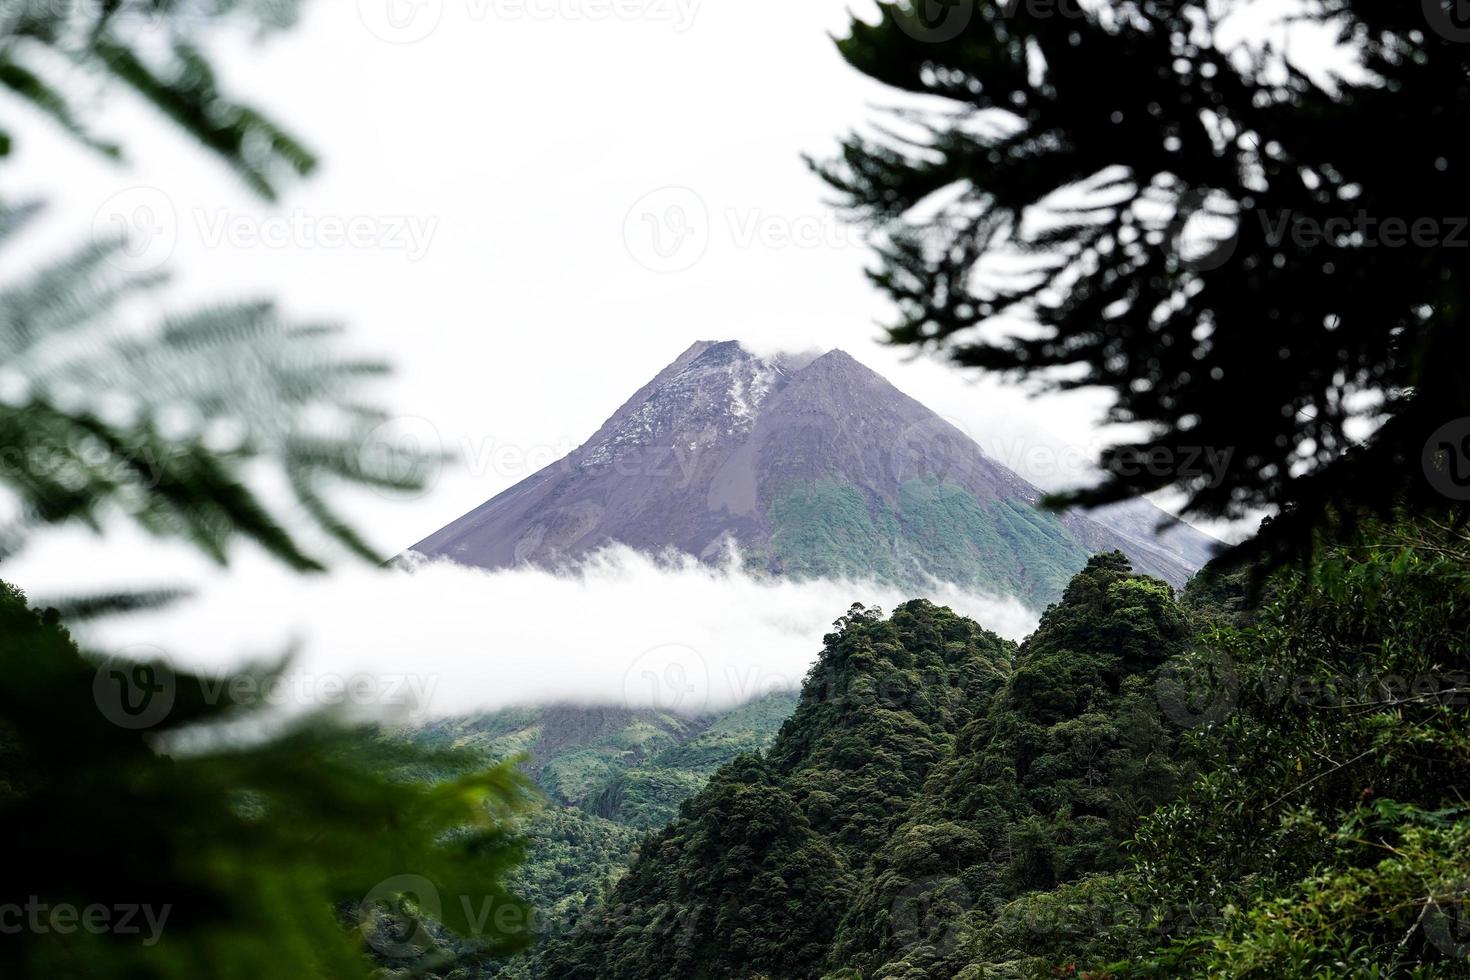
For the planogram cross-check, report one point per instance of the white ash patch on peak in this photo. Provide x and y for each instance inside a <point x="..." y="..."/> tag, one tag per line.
<point x="748" y="389"/>
<point x="718" y="395"/>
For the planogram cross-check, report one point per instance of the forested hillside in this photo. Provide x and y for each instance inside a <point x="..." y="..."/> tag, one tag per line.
<point x="1151" y="785"/>
<point x="755" y="874"/>
<point x="608" y="776"/>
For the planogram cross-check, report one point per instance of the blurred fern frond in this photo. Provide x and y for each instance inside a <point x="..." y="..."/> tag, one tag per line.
<point x="248" y="851"/>
<point x="94" y="605"/>
<point x="152" y="47"/>
<point x="162" y="424"/>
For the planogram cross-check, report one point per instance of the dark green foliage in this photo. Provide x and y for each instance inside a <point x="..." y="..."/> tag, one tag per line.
<point x="748" y="728"/>
<point x="280" y="392"/>
<point x="1043" y="784"/>
<point x="740" y="881"/>
<point x="572" y="860"/>
<point x="249" y="844"/>
<point x="1332" y="820"/>
<point x="1229" y="594"/>
<point x="756" y="872"/>
<point x="878" y="710"/>
<point x="159" y="425"/>
<point x="243" y="841"/>
<point x="646" y="797"/>
<point x="1155" y="168"/>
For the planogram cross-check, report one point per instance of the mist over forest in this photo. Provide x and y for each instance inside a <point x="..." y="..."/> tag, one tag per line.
<point x="651" y="489"/>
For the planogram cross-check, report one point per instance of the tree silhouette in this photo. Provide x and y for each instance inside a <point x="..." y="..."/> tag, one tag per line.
<point x="1253" y="259"/>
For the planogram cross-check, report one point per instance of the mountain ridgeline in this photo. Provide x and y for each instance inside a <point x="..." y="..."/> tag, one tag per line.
<point x="930" y="772"/>
<point x="1151" y="785"/>
<point x="813" y="467"/>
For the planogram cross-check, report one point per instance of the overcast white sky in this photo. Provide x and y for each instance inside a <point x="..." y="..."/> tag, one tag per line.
<point x="548" y="200"/>
<point x="506" y="167"/>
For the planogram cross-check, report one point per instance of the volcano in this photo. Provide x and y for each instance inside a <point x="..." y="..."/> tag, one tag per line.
<point x="808" y="466"/>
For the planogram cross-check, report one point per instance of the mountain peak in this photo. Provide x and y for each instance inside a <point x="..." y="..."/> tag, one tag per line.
<point x="835" y="356"/>
<point x="839" y="363"/>
<point x="813" y="465"/>
<point x="722" y="352"/>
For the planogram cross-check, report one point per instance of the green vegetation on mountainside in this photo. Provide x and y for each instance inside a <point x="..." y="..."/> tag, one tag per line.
<point x="831" y="529"/>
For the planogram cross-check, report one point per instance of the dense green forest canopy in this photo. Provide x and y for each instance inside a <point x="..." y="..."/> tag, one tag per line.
<point x="1151" y="785"/>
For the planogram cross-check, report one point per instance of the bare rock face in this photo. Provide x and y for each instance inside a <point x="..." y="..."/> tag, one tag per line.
<point x="810" y="466"/>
